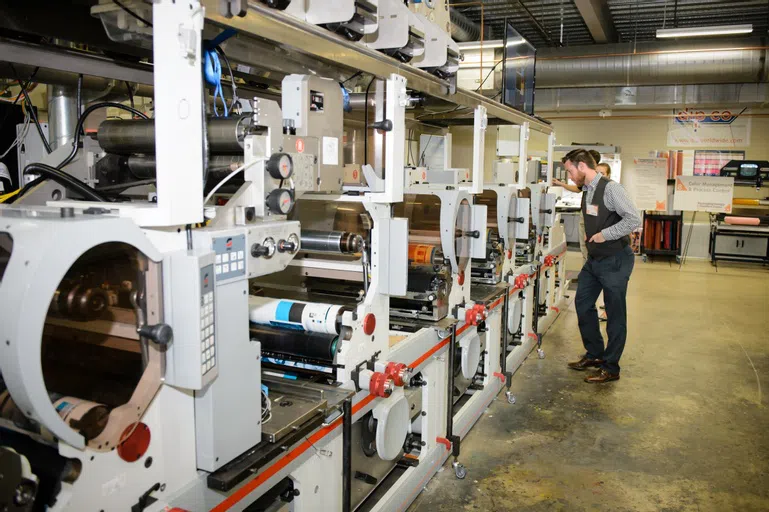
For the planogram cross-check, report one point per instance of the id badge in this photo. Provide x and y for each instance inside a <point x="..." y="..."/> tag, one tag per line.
<point x="591" y="209"/>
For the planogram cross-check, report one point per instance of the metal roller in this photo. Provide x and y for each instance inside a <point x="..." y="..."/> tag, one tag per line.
<point x="140" y="167"/>
<point x="225" y="135"/>
<point x="342" y="242"/>
<point x="318" y="346"/>
<point x="296" y="315"/>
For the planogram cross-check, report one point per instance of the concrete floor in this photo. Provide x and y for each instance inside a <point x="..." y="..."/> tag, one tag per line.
<point x="686" y="427"/>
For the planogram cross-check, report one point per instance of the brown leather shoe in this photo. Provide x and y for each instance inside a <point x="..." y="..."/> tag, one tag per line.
<point x="585" y="363"/>
<point x="601" y="377"/>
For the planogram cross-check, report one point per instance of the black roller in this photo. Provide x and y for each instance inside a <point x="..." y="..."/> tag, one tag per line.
<point x="420" y="281"/>
<point x="113" y="169"/>
<point x="125" y="137"/>
<point x="317" y="346"/>
<point x="331" y="241"/>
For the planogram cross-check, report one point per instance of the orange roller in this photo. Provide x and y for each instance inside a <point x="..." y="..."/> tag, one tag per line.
<point x="423" y="254"/>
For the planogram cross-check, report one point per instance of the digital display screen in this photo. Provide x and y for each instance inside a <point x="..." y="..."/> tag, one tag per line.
<point x="518" y="71"/>
<point x="748" y="170"/>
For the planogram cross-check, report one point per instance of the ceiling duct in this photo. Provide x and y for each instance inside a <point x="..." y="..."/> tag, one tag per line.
<point x="463" y="28"/>
<point x="617" y="65"/>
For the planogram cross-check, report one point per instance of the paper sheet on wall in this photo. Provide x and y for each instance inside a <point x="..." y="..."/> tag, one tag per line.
<point x="330" y="151"/>
<point x="650" y="184"/>
<point x="704" y="194"/>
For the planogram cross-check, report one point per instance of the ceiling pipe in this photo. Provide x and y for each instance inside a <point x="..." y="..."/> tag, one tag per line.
<point x="618" y="65"/>
<point x="463" y="28"/>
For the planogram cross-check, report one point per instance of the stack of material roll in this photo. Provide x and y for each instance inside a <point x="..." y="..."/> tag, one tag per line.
<point x="290" y="328"/>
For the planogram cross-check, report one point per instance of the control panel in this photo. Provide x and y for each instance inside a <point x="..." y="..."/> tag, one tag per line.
<point x="207" y="323"/>
<point x="189" y="282"/>
<point x="230" y="256"/>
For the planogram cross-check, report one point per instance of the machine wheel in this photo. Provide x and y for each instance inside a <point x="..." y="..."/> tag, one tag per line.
<point x="644" y="258"/>
<point x="510" y="397"/>
<point x="460" y="470"/>
<point x="540" y="353"/>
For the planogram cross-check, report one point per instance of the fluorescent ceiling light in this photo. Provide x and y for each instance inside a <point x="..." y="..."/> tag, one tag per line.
<point x="720" y="30"/>
<point x="476" y="45"/>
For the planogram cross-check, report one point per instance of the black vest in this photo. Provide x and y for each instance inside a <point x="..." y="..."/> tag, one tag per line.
<point x="597" y="223"/>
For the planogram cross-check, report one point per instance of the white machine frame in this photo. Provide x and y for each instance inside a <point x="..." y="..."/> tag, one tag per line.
<point x="157" y="231"/>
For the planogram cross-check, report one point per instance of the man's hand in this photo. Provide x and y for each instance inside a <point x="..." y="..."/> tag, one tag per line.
<point x="558" y="183"/>
<point x="597" y="238"/>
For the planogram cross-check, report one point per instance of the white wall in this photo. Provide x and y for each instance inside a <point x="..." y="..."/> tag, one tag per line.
<point x="637" y="136"/>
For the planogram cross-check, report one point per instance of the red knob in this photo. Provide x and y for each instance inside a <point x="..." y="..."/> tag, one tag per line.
<point x="475" y="314"/>
<point x="397" y="372"/>
<point x="461" y="278"/>
<point x="521" y="281"/>
<point x="509" y="254"/>
<point x="134" y="442"/>
<point x="380" y="385"/>
<point x="369" y="324"/>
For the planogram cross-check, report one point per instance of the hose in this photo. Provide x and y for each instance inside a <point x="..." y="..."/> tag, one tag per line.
<point x="65" y="180"/>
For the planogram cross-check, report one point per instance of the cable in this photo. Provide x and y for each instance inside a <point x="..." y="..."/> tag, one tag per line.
<point x="32" y="111"/>
<point x="130" y="12"/>
<point x="422" y="156"/>
<point x="232" y="77"/>
<point x="26" y="188"/>
<point x="411" y="141"/>
<point x="79" y="94"/>
<point x="130" y="93"/>
<point x="8" y="111"/>
<point x="65" y="180"/>
<point x="119" y="187"/>
<point x="19" y="138"/>
<point x="356" y="74"/>
<point x="9" y="195"/>
<point x="488" y="75"/>
<point x="82" y="118"/>
<point x="266" y="408"/>
<point x="212" y="72"/>
<point x="229" y="177"/>
<point x="365" y="123"/>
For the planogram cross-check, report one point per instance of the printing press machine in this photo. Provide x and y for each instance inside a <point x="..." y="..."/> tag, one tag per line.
<point x="743" y="233"/>
<point x="198" y="315"/>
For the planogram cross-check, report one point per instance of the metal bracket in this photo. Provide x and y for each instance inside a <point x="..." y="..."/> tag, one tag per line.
<point x="368" y="364"/>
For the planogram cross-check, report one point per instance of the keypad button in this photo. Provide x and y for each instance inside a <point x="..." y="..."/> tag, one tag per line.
<point x="225" y="257"/>
<point x="218" y="258"/>
<point x="240" y="265"/>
